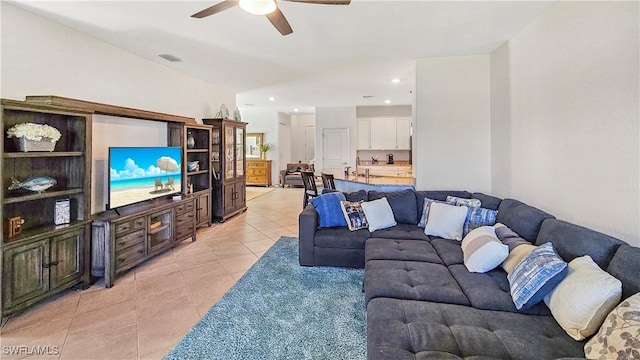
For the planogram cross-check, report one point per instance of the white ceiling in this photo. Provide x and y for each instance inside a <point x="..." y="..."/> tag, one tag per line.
<point x="335" y="56"/>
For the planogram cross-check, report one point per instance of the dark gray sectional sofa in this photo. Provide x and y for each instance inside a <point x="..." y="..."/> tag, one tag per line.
<point x="422" y="302"/>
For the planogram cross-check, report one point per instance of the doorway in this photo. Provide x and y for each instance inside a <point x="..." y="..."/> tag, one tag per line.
<point x="335" y="145"/>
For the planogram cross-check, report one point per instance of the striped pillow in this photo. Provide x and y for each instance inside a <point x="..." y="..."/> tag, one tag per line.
<point x="535" y="276"/>
<point x="478" y="216"/>
<point x="482" y="250"/>
<point x="458" y="201"/>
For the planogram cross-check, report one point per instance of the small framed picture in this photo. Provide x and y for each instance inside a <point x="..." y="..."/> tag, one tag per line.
<point x="62" y="212"/>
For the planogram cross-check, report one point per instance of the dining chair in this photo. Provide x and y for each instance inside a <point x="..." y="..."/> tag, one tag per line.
<point x="310" y="189"/>
<point x="327" y="181"/>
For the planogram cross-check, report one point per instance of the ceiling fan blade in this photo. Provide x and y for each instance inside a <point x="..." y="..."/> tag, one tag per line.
<point x="323" y="2"/>
<point x="215" y="9"/>
<point x="280" y="22"/>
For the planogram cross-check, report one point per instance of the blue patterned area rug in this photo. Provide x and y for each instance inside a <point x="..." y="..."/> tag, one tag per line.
<point x="281" y="310"/>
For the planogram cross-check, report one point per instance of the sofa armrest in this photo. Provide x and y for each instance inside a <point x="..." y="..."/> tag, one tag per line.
<point x="283" y="173"/>
<point x="307" y="225"/>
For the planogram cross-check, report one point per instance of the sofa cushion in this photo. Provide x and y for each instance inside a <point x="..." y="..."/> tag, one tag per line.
<point x="522" y="218"/>
<point x="436" y="195"/>
<point x="490" y="291"/>
<point x="341" y="238"/>
<point x="572" y="241"/>
<point x="449" y="250"/>
<point x="403" y="203"/>
<point x="624" y="267"/>
<point x="488" y="201"/>
<point x="360" y="195"/>
<point x="402" y="329"/>
<point x="404" y="250"/>
<point x="411" y="280"/>
<point x="401" y="231"/>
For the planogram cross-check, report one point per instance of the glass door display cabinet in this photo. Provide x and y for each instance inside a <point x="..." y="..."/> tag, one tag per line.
<point x="228" y="167"/>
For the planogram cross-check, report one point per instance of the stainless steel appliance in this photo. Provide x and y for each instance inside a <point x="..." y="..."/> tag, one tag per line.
<point x="389" y="158"/>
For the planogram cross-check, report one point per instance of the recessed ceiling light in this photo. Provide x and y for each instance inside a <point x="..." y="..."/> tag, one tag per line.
<point x="296" y="110"/>
<point x="272" y="98"/>
<point x="387" y="101"/>
<point x="395" y="80"/>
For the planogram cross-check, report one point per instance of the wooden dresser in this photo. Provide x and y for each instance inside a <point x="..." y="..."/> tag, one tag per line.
<point x="259" y="172"/>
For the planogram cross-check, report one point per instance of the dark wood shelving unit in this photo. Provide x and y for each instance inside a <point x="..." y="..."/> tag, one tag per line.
<point x="44" y="258"/>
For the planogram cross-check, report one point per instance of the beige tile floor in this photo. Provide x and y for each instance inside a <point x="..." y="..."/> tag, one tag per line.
<point x="152" y="307"/>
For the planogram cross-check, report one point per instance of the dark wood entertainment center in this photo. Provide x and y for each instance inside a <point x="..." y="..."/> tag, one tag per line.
<point x="45" y="258"/>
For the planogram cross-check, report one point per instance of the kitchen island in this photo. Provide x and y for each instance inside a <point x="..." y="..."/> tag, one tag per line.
<point x="381" y="173"/>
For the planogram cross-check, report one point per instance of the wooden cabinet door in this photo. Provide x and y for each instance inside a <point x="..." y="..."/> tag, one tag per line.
<point x="203" y="204"/>
<point x="66" y="259"/>
<point x="228" y="195"/>
<point x="25" y="273"/>
<point x="403" y="133"/>
<point x="364" y="134"/>
<point x="241" y="193"/>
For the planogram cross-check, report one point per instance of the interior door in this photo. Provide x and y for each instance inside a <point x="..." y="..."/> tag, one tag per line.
<point x="335" y="145"/>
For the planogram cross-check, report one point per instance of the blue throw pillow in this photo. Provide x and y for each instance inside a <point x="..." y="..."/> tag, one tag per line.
<point x="477" y="217"/>
<point x="535" y="276"/>
<point x="329" y="210"/>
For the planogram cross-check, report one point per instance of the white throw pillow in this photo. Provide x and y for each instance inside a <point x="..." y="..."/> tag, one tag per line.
<point x="445" y="221"/>
<point x="379" y="214"/>
<point x="482" y="250"/>
<point x="582" y="300"/>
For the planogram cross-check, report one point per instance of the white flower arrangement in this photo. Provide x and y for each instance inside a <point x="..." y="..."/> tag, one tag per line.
<point x="34" y="132"/>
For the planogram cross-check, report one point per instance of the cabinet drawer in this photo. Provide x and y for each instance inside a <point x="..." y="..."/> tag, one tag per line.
<point x="125" y="241"/>
<point x="259" y="172"/>
<point x="138" y="223"/>
<point x="129" y="255"/>
<point x="184" y="218"/>
<point x="251" y="164"/>
<point x="256" y="179"/>
<point x="184" y="231"/>
<point x="123" y="227"/>
<point x="187" y="206"/>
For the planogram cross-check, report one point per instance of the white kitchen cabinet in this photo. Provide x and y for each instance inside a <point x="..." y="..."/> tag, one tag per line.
<point x="403" y="133"/>
<point x="384" y="133"/>
<point x="364" y="134"/>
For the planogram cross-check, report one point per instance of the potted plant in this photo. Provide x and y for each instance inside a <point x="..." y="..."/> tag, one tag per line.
<point x="263" y="150"/>
<point x="34" y="137"/>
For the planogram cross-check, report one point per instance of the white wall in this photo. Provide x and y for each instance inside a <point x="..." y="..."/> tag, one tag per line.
<point x="384" y="111"/>
<point x="343" y="117"/>
<point x="119" y="132"/>
<point x="266" y="121"/>
<point x="452" y="123"/>
<point x="41" y="57"/>
<point x="565" y="92"/>
<point x="298" y="126"/>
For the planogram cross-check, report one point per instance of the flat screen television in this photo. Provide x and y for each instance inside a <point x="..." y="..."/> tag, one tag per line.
<point x="142" y="173"/>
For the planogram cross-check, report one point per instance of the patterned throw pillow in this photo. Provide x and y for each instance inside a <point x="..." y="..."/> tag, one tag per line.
<point x="354" y="215"/>
<point x="328" y="208"/>
<point x="619" y="335"/>
<point x="458" y="201"/>
<point x="477" y="217"/>
<point x="425" y="211"/>
<point x="535" y="276"/>
<point x="482" y="250"/>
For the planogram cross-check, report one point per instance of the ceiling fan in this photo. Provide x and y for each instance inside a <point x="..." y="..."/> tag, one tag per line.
<point x="264" y="7"/>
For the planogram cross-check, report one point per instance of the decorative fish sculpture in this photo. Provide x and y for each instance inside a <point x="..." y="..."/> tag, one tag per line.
<point x="36" y="184"/>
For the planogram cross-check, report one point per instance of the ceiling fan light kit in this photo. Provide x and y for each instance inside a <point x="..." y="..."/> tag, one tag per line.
<point x="269" y="8"/>
<point x="258" y="7"/>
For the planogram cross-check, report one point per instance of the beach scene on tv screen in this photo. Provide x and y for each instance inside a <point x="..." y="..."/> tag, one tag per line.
<point x="138" y="174"/>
